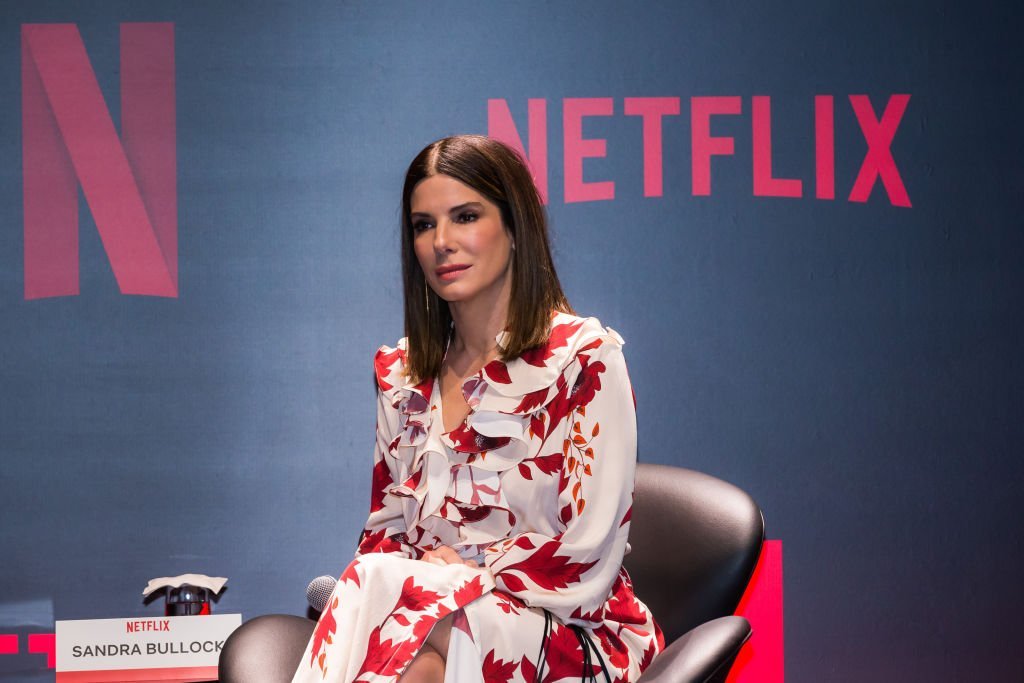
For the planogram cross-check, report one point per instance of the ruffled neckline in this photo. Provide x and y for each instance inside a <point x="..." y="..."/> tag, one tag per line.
<point x="513" y="387"/>
<point x="450" y="481"/>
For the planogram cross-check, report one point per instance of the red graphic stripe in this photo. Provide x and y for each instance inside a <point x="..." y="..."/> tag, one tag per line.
<point x="44" y="644"/>
<point x="191" y="674"/>
<point x="761" y="659"/>
<point x="8" y="644"/>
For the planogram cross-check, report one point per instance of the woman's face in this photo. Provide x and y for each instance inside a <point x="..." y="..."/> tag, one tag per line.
<point x="460" y="241"/>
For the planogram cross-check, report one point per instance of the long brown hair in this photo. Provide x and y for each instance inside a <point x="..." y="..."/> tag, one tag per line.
<point x="498" y="173"/>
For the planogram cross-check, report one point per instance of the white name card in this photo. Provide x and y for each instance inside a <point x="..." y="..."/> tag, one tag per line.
<point x="142" y="649"/>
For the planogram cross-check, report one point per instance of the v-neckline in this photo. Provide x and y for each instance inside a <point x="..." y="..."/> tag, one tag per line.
<point x="440" y="408"/>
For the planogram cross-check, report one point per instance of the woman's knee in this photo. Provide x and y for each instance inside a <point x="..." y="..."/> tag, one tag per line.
<point x="426" y="667"/>
<point x="439" y="636"/>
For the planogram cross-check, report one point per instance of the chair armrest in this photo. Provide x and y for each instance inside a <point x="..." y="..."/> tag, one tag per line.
<point x="266" y="649"/>
<point x="702" y="655"/>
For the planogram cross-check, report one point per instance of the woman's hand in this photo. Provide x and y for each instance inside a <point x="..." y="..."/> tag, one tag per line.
<point x="445" y="555"/>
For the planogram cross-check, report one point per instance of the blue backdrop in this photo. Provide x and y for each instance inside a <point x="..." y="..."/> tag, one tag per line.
<point x="853" y="365"/>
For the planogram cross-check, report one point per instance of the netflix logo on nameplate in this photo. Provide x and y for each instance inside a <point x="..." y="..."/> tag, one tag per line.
<point x="177" y="649"/>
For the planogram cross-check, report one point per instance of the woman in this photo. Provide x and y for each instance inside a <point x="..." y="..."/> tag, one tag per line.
<point x="503" y="471"/>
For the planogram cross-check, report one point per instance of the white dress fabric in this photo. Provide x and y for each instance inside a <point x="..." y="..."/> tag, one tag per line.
<point x="535" y="485"/>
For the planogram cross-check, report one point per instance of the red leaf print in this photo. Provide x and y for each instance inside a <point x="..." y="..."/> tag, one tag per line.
<point x="558" y="407"/>
<point x="381" y="480"/>
<point x="497" y="372"/>
<point x="412" y="482"/>
<point x="565" y="516"/>
<point x="497" y="670"/>
<point x="371" y="540"/>
<point x="512" y="582"/>
<point x="549" y="464"/>
<point x="401" y="619"/>
<point x="524" y="543"/>
<point x="529" y="670"/>
<point x="415" y="598"/>
<point x="531" y="401"/>
<point x="382" y="362"/>
<point x="564" y="657"/>
<point x="325" y="628"/>
<point x="613" y="647"/>
<point x="350" y="573"/>
<point x="537" y="425"/>
<point x="508" y="602"/>
<point x="425" y="388"/>
<point x="547" y="570"/>
<point x="558" y="338"/>
<point x="622" y="606"/>
<point x="596" y="616"/>
<point x="648" y="656"/>
<point x="423" y="626"/>
<point x="387" y="658"/>
<point x="467" y="440"/>
<point x="628" y="516"/>
<point x="469" y="591"/>
<point x="587" y="384"/>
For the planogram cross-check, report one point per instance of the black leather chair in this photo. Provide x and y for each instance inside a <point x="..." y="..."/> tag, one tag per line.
<point x="694" y="543"/>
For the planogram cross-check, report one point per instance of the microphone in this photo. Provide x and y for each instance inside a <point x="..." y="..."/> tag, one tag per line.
<point x="319" y="590"/>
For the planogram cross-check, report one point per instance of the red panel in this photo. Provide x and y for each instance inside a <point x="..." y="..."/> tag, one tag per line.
<point x="761" y="659"/>
<point x="44" y="644"/>
<point x="8" y="643"/>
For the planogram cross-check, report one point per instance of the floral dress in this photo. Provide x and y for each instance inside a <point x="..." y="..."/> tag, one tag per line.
<point x="536" y="486"/>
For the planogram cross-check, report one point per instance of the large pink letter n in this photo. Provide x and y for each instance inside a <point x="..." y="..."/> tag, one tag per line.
<point x="129" y="182"/>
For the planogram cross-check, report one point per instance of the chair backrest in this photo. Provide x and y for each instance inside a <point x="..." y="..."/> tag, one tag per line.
<point x="694" y="543"/>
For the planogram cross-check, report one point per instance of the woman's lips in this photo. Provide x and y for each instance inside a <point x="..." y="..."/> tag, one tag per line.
<point x="449" y="273"/>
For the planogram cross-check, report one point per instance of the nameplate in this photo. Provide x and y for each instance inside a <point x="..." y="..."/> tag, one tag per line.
<point x="142" y="649"/>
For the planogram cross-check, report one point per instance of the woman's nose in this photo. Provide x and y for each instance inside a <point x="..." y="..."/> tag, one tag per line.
<point x="442" y="236"/>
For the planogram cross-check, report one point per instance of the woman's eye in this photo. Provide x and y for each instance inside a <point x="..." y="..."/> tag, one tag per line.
<point x="420" y="226"/>
<point x="467" y="217"/>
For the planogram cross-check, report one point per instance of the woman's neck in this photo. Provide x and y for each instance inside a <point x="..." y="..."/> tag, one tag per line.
<point x="476" y="330"/>
<point x="477" y="325"/>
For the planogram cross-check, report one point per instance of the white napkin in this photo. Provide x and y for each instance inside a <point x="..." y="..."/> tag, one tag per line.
<point x="211" y="583"/>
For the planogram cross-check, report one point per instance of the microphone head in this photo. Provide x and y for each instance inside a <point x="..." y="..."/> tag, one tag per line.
<point x="319" y="590"/>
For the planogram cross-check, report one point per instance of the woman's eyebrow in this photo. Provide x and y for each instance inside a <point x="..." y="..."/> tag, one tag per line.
<point x="454" y="209"/>
<point x="467" y="205"/>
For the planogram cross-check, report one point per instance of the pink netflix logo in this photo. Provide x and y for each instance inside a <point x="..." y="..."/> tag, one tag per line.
<point x="877" y="129"/>
<point x="129" y="182"/>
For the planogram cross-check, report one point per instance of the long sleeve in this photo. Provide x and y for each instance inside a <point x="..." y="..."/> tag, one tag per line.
<point x="572" y="573"/>
<point x="385" y="527"/>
